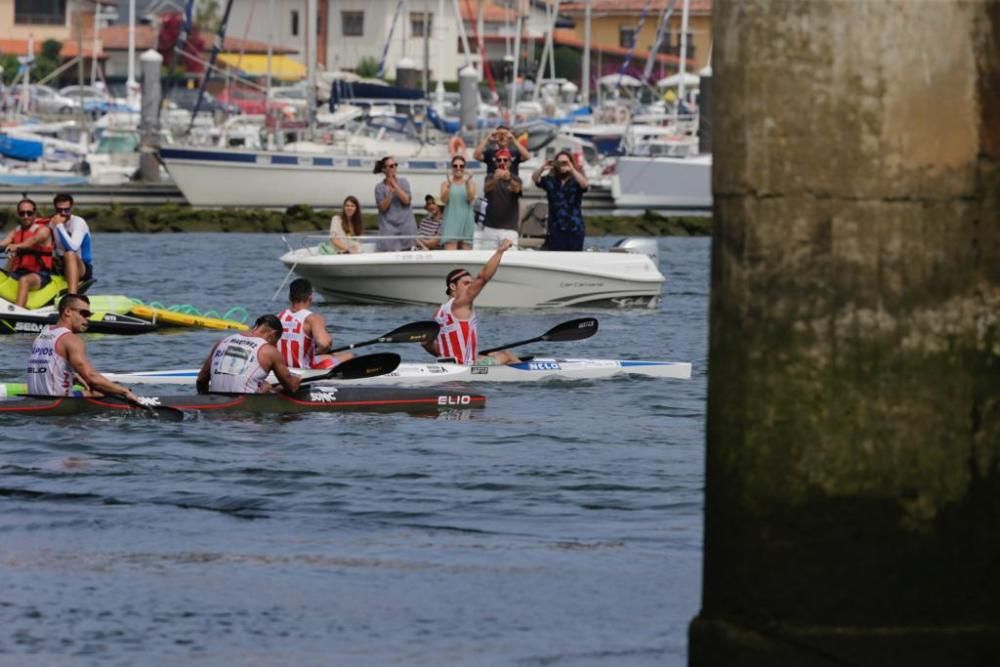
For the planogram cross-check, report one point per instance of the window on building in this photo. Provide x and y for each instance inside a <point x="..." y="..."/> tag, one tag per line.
<point x="353" y="23"/>
<point x="417" y="24"/>
<point x="665" y="45"/>
<point x="625" y="37"/>
<point x="295" y="23"/>
<point x="40" y="12"/>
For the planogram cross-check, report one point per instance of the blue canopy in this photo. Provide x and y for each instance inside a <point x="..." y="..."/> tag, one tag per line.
<point x="20" y="149"/>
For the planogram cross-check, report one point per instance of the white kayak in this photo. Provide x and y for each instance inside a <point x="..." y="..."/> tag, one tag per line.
<point x="537" y="369"/>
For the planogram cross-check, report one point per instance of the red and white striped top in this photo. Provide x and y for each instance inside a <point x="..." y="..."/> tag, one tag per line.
<point x="457" y="338"/>
<point x="295" y="346"/>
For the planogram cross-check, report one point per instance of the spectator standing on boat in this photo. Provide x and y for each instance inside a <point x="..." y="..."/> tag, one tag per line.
<point x="458" y="337"/>
<point x="240" y="364"/>
<point x="503" y="196"/>
<point x="502" y="139"/>
<point x="29" y="246"/>
<point x="58" y="353"/>
<point x="564" y="185"/>
<point x="73" y="256"/>
<point x="347" y="228"/>
<point x="429" y="229"/>
<point x="395" y="217"/>
<point x="457" y="194"/>
<point x="305" y="341"/>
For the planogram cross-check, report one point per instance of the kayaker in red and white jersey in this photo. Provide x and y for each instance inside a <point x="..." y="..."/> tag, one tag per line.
<point x="305" y="338"/>
<point x="29" y="246"/>
<point x="458" y="337"/>
<point x="240" y="364"/>
<point x="58" y="353"/>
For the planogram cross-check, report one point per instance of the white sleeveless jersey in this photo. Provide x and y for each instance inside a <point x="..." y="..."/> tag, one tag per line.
<point x="457" y="338"/>
<point x="48" y="373"/>
<point x="295" y="346"/>
<point x="235" y="367"/>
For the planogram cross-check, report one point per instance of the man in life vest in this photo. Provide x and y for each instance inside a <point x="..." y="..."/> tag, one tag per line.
<point x="305" y="341"/>
<point x="58" y="353"/>
<point x="240" y="364"/>
<point x="458" y="337"/>
<point x="71" y="235"/>
<point x="29" y="247"/>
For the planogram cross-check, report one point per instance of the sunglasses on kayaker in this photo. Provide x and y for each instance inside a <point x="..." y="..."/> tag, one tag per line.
<point x="83" y="311"/>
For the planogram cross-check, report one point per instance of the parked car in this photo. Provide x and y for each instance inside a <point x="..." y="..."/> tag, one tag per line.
<point x="248" y="101"/>
<point x="45" y="99"/>
<point x="185" y="98"/>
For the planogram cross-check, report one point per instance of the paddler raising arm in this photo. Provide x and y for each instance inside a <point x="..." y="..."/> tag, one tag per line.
<point x="240" y="364"/>
<point x="459" y="337"/>
<point x="58" y="352"/>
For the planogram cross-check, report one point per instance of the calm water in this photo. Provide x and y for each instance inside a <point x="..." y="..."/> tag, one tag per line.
<point x="562" y="525"/>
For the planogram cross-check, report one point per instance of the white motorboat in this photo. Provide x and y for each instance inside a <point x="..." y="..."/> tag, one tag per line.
<point x="624" y="276"/>
<point x="411" y="374"/>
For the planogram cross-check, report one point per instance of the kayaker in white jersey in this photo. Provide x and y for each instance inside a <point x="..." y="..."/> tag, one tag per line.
<point x="305" y="339"/>
<point x="240" y="364"/>
<point x="458" y="337"/>
<point x="58" y="353"/>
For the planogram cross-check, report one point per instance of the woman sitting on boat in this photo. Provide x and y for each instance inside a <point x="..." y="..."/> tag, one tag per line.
<point x="429" y="229"/>
<point x="457" y="194"/>
<point x="347" y="227"/>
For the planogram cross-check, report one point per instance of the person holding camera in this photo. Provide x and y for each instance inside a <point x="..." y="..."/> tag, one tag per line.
<point x="564" y="186"/>
<point x="503" y="196"/>
<point x="503" y="139"/>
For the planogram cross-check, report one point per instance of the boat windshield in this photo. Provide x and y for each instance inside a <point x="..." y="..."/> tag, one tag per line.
<point x="118" y="143"/>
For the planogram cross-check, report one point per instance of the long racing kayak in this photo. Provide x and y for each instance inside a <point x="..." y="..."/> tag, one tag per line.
<point x="533" y="370"/>
<point x="313" y="399"/>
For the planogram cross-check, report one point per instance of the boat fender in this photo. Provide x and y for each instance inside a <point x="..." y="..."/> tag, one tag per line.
<point x="456" y="146"/>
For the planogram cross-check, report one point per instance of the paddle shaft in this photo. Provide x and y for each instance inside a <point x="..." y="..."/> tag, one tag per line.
<point x="578" y="329"/>
<point x="415" y="332"/>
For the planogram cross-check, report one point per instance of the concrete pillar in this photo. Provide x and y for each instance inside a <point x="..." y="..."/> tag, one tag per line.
<point x="853" y="461"/>
<point x="468" y="96"/>
<point x="149" y="167"/>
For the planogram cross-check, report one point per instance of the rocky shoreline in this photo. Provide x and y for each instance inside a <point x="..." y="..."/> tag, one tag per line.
<point x="171" y="218"/>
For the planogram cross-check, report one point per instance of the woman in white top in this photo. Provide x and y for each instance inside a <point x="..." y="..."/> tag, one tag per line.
<point x="346" y="228"/>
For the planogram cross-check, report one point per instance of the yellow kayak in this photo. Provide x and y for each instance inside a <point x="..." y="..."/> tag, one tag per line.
<point x="163" y="317"/>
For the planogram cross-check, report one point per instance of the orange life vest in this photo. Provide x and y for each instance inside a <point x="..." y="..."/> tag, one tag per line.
<point x="35" y="259"/>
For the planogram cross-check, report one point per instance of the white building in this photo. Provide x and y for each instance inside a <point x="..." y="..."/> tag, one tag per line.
<point x="356" y="29"/>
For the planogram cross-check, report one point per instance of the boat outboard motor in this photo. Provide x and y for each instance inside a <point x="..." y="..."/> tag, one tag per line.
<point x="644" y="246"/>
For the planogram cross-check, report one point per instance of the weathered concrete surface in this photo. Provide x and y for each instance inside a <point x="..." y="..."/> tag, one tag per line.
<point x="853" y="469"/>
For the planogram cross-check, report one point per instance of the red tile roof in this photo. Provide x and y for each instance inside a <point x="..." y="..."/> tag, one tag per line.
<point x="19" y="47"/>
<point x="492" y="12"/>
<point x="115" y="38"/>
<point x="569" y="38"/>
<point x="612" y="7"/>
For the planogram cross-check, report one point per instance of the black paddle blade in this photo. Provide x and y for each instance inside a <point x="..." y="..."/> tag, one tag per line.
<point x="414" y="332"/>
<point x="585" y="327"/>
<point x="151" y="406"/>
<point x="369" y="365"/>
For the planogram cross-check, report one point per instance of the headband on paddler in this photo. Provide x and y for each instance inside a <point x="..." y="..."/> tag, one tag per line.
<point x="454" y="277"/>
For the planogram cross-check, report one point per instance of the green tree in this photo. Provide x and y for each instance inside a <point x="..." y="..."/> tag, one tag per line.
<point x="48" y="60"/>
<point x="569" y="63"/>
<point x="10" y="67"/>
<point x="367" y="67"/>
<point x="206" y="16"/>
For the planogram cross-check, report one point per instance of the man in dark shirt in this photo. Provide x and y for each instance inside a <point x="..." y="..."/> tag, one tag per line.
<point x="503" y="195"/>
<point x="564" y="185"/>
